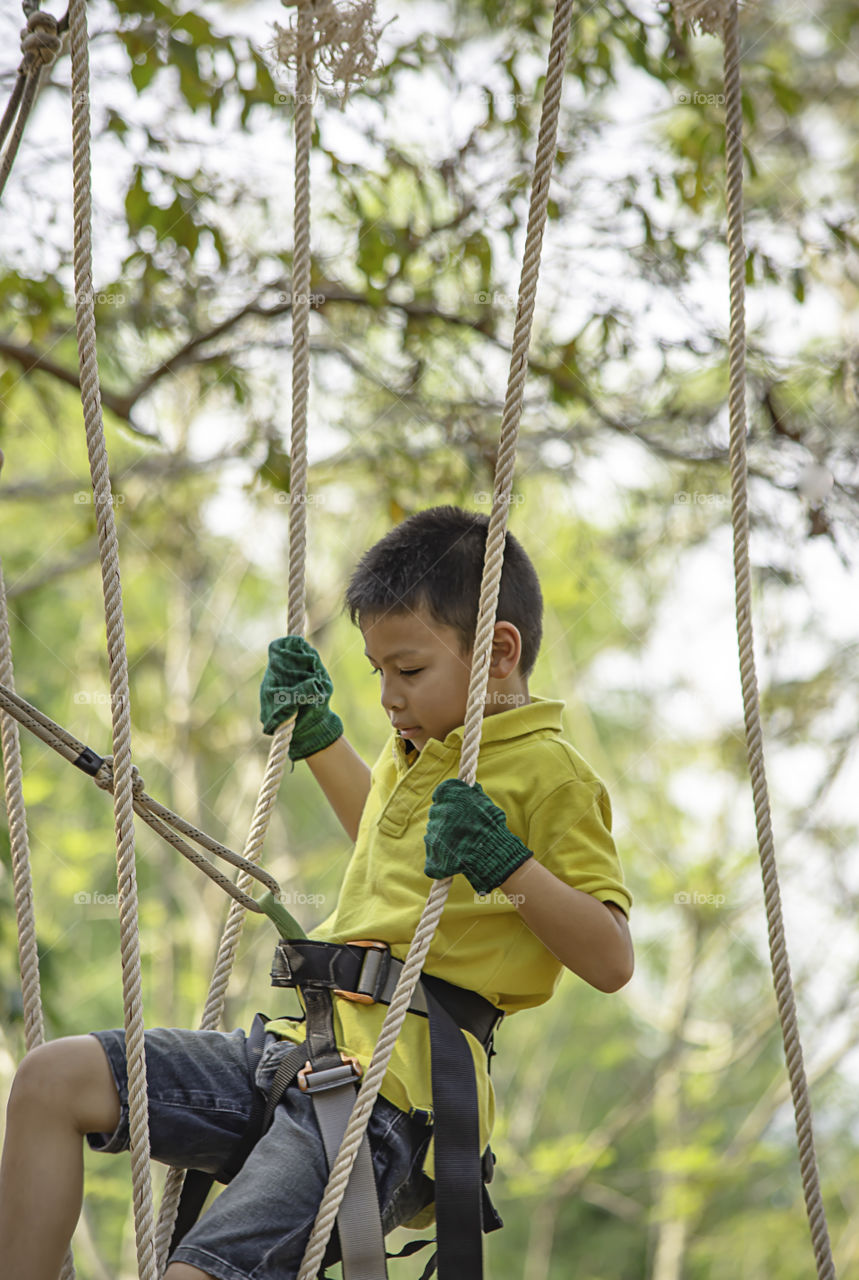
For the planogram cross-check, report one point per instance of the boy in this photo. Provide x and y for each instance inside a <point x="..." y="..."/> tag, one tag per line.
<point x="537" y="886"/>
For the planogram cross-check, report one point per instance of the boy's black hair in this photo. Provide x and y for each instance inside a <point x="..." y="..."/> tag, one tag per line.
<point x="434" y="559"/>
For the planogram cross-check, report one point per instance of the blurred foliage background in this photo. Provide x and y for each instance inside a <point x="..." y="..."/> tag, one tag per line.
<point x="646" y="1134"/>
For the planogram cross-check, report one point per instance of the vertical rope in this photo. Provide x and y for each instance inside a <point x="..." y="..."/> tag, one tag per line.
<point x="28" y="954"/>
<point x="751" y="706"/>
<point x="227" y="948"/>
<point x="493" y="563"/>
<point x="300" y="320"/>
<point x="296" y="605"/>
<point x="118" y="662"/>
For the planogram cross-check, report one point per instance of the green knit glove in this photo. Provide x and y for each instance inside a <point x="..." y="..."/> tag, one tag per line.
<point x="296" y="681"/>
<point x="467" y="833"/>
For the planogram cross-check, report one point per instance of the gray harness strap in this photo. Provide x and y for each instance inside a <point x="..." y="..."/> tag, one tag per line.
<point x="331" y="1085"/>
<point x="359" y="1224"/>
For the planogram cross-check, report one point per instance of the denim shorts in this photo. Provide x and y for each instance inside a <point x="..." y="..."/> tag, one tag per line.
<point x="201" y="1091"/>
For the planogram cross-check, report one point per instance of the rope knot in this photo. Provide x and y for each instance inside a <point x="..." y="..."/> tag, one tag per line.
<point x="344" y="40"/>
<point x="104" y="778"/>
<point x="40" y="42"/>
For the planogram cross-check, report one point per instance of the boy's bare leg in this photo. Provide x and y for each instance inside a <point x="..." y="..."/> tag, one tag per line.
<point x="63" y="1090"/>
<point x="182" y="1271"/>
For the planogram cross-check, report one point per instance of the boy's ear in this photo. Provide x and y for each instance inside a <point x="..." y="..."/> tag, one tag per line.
<point x="506" y="650"/>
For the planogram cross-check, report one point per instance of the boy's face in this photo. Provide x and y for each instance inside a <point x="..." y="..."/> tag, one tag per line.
<point x="423" y="673"/>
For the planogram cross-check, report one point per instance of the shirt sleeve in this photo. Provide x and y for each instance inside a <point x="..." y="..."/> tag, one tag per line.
<point x="570" y="833"/>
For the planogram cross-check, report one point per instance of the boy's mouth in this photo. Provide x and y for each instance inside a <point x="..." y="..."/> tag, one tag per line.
<point x="406" y="731"/>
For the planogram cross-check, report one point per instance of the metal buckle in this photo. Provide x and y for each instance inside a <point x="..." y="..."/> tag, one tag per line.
<point x="310" y="1081"/>
<point x="373" y="975"/>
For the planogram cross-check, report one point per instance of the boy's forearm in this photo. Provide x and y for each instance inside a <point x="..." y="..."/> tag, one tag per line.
<point x="588" y="936"/>
<point x="345" y="780"/>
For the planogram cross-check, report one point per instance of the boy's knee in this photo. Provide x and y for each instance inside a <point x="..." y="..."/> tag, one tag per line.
<point x="69" y="1076"/>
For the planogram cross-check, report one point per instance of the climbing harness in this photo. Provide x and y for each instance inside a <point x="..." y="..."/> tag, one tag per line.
<point x="366" y="973"/>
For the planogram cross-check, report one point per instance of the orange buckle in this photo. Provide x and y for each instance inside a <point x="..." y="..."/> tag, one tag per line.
<point x="310" y="1081"/>
<point x="370" y="971"/>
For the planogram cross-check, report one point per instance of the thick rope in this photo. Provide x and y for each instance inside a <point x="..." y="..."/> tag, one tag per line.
<point x="13" y="778"/>
<point x="118" y="661"/>
<point x="751" y="706"/>
<point x="493" y="563"/>
<point x="296" y="605"/>
<point x="40" y="44"/>
<point x="28" y="954"/>
<point x="227" y="948"/>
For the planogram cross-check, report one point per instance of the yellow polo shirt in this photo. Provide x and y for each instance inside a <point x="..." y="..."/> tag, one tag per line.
<point x="554" y="803"/>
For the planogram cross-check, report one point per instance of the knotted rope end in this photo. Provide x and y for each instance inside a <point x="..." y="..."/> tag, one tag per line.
<point x="40" y="41"/>
<point x="344" y="41"/>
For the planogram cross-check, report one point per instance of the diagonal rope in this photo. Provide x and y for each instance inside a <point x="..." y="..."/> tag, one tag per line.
<point x="493" y="563"/>
<point x="117" y="657"/>
<point x="751" y="706"/>
<point x="169" y="825"/>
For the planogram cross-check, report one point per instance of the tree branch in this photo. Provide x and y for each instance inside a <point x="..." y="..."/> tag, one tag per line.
<point x="30" y="360"/>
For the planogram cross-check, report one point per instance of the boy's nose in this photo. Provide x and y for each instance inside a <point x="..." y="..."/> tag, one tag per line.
<point x="392" y="698"/>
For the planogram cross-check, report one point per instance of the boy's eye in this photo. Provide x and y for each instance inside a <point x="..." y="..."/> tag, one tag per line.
<point x="413" y="672"/>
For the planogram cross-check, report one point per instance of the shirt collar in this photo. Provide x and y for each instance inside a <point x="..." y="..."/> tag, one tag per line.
<point x="518" y="722"/>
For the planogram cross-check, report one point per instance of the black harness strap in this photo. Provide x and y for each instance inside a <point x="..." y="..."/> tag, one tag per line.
<point x="458" y="1181"/>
